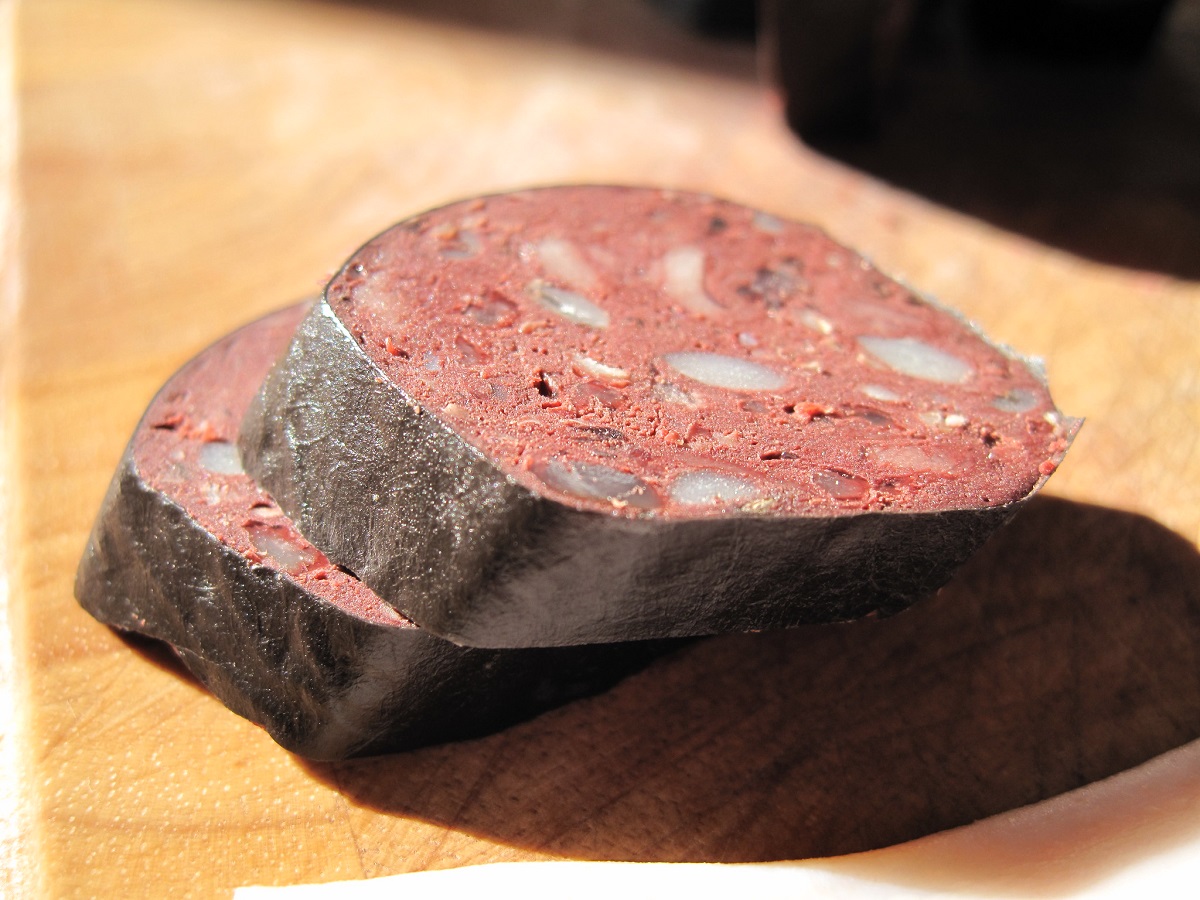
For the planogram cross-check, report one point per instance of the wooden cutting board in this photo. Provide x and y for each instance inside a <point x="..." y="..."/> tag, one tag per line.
<point x="185" y="166"/>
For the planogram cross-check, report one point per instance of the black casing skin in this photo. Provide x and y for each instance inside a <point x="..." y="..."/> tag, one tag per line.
<point x="325" y="683"/>
<point x="386" y="489"/>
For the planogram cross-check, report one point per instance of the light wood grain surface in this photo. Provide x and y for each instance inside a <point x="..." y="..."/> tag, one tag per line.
<point x="187" y="165"/>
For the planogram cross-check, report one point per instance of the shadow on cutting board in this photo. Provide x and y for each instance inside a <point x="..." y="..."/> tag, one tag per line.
<point x="1066" y="651"/>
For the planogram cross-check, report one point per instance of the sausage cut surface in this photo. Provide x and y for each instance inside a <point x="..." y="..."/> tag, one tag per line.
<point x="189" y="550"/>
<point x="580" y="414"/>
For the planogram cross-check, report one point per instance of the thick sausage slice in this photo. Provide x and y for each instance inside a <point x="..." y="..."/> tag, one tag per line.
<point x="589" y="414"/>
<point x="189" y="550"/>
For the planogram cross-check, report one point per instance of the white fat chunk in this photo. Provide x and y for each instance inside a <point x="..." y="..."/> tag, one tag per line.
<point x="683" y="280"/>
<point x="571" y="306"/>
<point x="600" y="370"/>
<point x="767" y="223"/>
<point x="841" y="485"/>
<point x="728" y="372"/>
<point x="913" y="459"/>
<point x="598" y="482"/>
<point x="704" y="487"/>
<point x="490" y="311"/>
<point x="879" y="392"/>
<point x="817" y="322"/>
<point x="563" y="262"/>
<point x="913" y="357"/>
<point x="465" y="245"/>
<point x="288" y="556"/>
<point x="673" y="393"/>
<point x="221" y="458"/>
<point x="1018" y="400"/>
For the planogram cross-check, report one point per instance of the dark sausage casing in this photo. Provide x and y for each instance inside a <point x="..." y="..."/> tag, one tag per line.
<point x="187" y="549"/>
<point x="590" y="414"/>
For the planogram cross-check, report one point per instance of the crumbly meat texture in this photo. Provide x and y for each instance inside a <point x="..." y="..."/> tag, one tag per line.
<point x="189" y="550"/>
<point x="578" y="415"/>
<point x="666" y="354"/>
<point x="186" y="450"/>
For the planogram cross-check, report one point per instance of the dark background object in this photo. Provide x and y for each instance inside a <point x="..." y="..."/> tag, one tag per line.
<point x="1098" y="30"/>
<point x="835" y="60"/>
<point x="838" y="62"/>
<point x="1077" y="124"/>
<point x="736" y="19"/>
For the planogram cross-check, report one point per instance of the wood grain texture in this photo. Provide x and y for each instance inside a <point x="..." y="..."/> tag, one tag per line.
<point x="187" y="165"/>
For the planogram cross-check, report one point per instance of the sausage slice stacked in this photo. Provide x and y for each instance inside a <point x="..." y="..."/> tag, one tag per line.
<point x="591" y="415"/>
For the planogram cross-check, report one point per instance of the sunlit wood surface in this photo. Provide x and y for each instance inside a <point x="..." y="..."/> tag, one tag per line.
<point x="187" y="165"/>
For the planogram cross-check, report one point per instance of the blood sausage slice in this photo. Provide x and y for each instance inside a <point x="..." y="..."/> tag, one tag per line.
<point x="189" y="550"/>
<point x="590" y="414"/>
